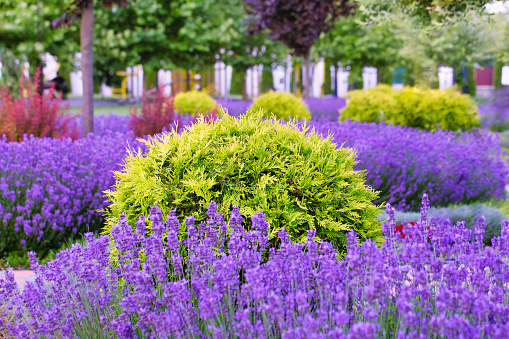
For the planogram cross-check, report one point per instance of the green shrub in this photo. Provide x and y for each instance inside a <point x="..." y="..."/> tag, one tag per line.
<point x="425" y="109"/>
<point x="300" y="181"/>
<point x="448" y="110"/>
<point x="408" y="100"/>
<point x="194" y="102"/>
<point x="282" y="105"/>
<point x="370" y="106"/>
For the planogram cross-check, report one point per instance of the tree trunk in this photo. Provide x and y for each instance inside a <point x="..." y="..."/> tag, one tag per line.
<point x="306" y="80"/>
<point x="87" y="60"/>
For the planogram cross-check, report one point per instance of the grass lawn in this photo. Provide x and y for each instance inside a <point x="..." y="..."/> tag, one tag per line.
<point x="118" y="109"/>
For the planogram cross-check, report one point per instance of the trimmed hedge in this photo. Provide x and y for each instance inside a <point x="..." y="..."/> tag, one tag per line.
<point x="301" y="181"/>
<point x="424" y="109"/>
<point x="282" y="105"/>
<point x="194" y="102"/>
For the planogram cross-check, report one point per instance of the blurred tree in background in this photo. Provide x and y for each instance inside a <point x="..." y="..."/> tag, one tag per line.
<point x="297" y="23"/>
<point x="182" y="34"/>
<point x="356" y="45"/>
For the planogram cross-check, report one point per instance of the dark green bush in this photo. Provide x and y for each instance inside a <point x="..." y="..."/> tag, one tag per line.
<point x="283" y="105"/>
<point x="301" y="181"/>
<point x="424" y="109"/>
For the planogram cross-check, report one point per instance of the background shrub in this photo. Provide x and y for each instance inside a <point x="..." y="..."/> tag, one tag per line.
<point x="403" y="163"/>
<point x="424" y="109"/>
<point x="157" y="113"/>
<point x="448" y="109"/>
<point x="41" y="116"/>
<point x="282" y="105"/>
<point x="301" y="181"/>
<point x="370" y="106"/>
<point x="194" y="102"/>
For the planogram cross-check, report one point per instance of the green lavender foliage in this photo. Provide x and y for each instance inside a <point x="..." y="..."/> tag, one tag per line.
<point x="301" y="181"/>
<point x="282" y="105"/>
<point x="471" y="214"/>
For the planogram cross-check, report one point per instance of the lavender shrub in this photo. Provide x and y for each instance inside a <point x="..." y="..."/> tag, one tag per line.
<point x="319" y="107"/>
<point x="434" y="283"/>
<point x="495" y="114"/>
<point x="50" y="189"/>
<point x="403" y="163"/>
<point x="327" y="108"/>
<point x="112" y="123"/>
<point x="234" y="107"/>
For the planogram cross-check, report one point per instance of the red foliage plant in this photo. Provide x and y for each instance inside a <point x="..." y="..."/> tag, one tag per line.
<point x="158" y="114"/>
<point x="37" y="115"/>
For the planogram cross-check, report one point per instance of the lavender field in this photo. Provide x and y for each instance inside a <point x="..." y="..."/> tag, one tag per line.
<point x="433" y="283"/>
<point x="221" y="277"/>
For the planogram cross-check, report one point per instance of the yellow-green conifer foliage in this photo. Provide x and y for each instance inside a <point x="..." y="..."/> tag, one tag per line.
<point x="283" y="105"/>
<point x="417" y="108"/>
<point x="194" y="102"/>
<point x="300" y="181"/>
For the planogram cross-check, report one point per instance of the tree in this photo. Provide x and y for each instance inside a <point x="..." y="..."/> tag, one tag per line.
<point x="352" y="43"/>
<point x="458" y="44"/>
<point x="84" y="9"/>
<point x="296" y="23"/>
<point x="26" y="34"/>
<point x="250" y="50"/>
<point x="441" y="12"/>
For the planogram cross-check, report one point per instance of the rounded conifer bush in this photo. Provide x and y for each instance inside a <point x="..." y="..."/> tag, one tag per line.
<point x="283" y="105"/>
<point x="300" y="180"/>
<point x="194" y="102"/>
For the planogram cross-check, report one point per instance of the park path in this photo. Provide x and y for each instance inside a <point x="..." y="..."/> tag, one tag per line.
<point x="78" y="102"/>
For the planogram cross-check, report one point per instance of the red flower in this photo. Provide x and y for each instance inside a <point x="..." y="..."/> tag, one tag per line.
<point x="399" y="229"/>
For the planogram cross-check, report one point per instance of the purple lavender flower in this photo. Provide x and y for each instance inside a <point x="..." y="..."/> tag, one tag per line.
<point x="404" y="163"/>
<point x="415" y="287"/>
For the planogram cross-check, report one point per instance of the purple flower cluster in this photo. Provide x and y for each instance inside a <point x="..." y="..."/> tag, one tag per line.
<point x="495" y="114"/>
<point x="51" y="189"/>
<point x="435" y="282"/>
<point x="403" y="163"/>
<point x="319" y="107"/>
<point x="327" y="108"/>
<point x="235" y="108"/>
<point x="112" y="123"/>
